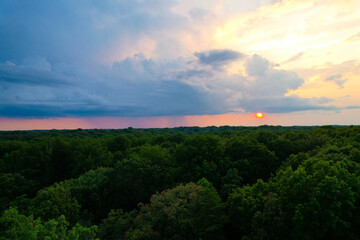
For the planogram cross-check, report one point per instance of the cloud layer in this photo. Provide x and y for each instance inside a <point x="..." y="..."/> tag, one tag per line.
<point x="139" y="86"/>
<point x="132" y="58"/>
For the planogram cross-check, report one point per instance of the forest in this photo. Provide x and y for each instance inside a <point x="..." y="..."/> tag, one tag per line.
<point x="267" y="182"/>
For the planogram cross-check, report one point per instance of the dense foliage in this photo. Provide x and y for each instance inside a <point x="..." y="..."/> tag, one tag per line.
<point x="181" y="183"/>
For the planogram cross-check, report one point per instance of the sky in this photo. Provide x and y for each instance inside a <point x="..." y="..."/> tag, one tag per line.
<point x="68" y="64"/>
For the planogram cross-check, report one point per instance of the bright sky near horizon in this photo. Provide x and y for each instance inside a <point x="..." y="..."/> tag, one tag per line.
<point x="168" y="63"/>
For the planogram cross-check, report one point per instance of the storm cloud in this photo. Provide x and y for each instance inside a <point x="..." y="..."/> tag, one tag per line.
<point x="218" y="57"/>
<point x="140" y="86"/>
<point x="88" y="58"/>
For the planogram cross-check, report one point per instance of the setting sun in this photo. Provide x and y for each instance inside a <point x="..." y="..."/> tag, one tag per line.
<point x="259" y="115"/>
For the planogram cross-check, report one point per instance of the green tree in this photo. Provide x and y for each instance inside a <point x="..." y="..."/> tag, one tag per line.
<point x="200" y="156"/>
<point x="115" y="226"/>
<point x="89" y="154"/>
<point x="318" y="200"/>
<point x="133" y="181"/>
<point x="53" y="202"/>
<point x="59" y="166"/>
<point x="188" y="211"/>
<point x="252" y="159"/>
<point x="15" y="226"/>
<point x="90" y="191"/>
<point x="230" y="181"/>
<point x="13" y="185"/>
<point x="119" y="143"/>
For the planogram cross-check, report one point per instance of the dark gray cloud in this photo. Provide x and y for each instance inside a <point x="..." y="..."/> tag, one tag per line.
<point x="136" y="86"/>
<point x="31" y="74"/>
<point x="47" y="110"/>
<point x="267" y="88"/>
<point x="283" y="104"/>
<point x="139" y="86"/>
<point x="269" y="81"/>
<point x="57" y="59"/>
<point x="322" y="100"/>
<point x="257" y="66"/>
<point x="72" y="31"/>
<point x="218" y="57"/>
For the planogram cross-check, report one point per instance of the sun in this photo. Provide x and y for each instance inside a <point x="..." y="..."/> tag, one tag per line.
<point x="259" y="115"/>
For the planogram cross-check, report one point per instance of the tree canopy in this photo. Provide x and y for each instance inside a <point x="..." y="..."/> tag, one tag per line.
<point x="245" y="183"/>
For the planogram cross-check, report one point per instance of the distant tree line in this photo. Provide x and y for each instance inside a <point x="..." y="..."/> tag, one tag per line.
<point x="269" y="182"/>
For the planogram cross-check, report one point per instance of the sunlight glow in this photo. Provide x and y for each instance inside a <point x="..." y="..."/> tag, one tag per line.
<point x="259" y="115"/>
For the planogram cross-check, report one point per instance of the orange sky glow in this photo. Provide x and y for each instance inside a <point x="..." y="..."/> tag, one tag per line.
<point x="293" y="119"/>
<point x="187" y="63"/>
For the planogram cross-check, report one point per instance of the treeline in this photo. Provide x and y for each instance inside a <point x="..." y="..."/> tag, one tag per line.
<point x="181" y="183"/>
